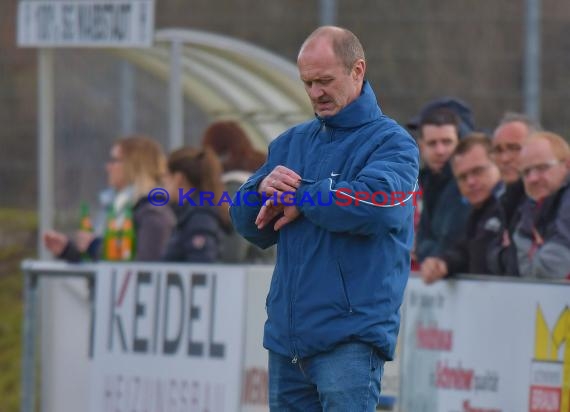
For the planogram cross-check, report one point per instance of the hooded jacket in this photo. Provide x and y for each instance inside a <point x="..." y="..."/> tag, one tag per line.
<point x="197" y="237"/>
<point x="342" y="266"/>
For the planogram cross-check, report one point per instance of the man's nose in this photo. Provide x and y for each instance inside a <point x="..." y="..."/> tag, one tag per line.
<point x="532" y="175"/>
<point x="440" y="148"/>
<point x="315" y="91"/>
<point x="505" y="156"/>
<point x="470" y="179"/>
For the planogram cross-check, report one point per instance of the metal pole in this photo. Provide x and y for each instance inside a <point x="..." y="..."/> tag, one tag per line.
<point x="28" y="393"/>
<point x="327" y="12"/>
<point x="45" y="146"/>
<point x="127" y="98"/>
<point x="46" y="114"/>
<point x="532" y="75"/>
<point x="176" y="97"/>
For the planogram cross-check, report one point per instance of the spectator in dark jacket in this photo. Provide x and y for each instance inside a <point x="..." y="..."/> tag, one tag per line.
<point x="193" y="181"/>
<point x="542" y="237"/>
<point x="134" y="168"/>
<point x="509" y="136"/>
<point x="444" y="211"/>
<point x="479" y="181"/>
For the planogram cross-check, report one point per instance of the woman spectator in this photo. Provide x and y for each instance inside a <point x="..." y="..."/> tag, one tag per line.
<point x="193" y="180"/>
<point x="239" y="160"/>
<point x="233" y="147"/>
<point x="134" y="168"/>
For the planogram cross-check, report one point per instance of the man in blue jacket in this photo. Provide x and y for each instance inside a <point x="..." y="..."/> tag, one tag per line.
<point x="336" y="195"/>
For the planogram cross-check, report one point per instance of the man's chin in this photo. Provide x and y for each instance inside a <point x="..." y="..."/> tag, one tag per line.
<point x="537" y="194"/>
<point x="436" y="167"/>
<point x="326" y="112"/>
<point x="509" y="175"/>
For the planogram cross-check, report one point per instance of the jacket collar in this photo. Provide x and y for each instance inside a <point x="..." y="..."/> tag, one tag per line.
<point x="357" y="113"/>
<point x="428" y="176"/>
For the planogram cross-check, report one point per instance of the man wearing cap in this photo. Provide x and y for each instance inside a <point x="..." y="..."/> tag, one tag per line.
<point x="444" y="211"/>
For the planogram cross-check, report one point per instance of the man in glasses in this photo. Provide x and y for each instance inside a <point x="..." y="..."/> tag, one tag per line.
<point x="479" y="180"/>
<point x="542" y="237"/>
<point x="508" y="139"/>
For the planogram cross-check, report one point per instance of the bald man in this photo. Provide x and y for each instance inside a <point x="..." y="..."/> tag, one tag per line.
<point x="343" y="256"/>
<point x="542" y="237"/>
<point x="508" y="138"/>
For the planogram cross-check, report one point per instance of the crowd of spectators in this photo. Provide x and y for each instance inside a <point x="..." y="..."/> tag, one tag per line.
<point x="192" y="227"/>
<point x="491" y="204"/>
<point x="496" y="204"/>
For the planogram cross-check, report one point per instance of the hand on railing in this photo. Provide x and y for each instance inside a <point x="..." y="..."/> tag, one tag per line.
<point x="55" y="242"/>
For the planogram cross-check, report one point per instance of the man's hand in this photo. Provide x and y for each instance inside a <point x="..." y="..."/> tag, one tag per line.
<point x="271" y="209"/>
<point x="83" y="239"/>
<point x="281" y="179"/>
<point x="433" y="269"/>
<point x="55" y="242"/>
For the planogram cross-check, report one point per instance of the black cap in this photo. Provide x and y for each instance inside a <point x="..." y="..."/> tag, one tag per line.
<point x="457" y="106"/>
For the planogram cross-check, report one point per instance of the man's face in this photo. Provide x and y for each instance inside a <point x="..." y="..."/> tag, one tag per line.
<point x="476" y="175"/>
<point x="543" y="174"/>
<point x="327" y="82"/>
<point x="437" y="143"/>
<point x="507" y="143"/>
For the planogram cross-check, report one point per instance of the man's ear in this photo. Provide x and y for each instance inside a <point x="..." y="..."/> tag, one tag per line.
<point x="359" y="69"/>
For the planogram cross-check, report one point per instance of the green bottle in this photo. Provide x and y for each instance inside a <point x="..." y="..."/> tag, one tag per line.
<point x="111" y="238"/>
<point x="85" y="220"/>
<point x="128" y="240"/>
<point x="85" y="225"/>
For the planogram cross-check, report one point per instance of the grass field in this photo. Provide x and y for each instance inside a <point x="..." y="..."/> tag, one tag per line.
<point x="17" y="242"/>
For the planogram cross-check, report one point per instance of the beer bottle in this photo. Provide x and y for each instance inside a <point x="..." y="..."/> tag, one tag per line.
<point x="85" y="220"/>
<point x="111" y="239"/>
<point x="85" y="225"/>
<point x="128" y="241"/>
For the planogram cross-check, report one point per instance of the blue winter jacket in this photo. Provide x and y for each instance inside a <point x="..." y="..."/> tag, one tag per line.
<point x="341" y="268"/>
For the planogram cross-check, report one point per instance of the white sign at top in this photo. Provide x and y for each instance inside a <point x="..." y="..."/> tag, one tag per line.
<point x="85" y="23"/>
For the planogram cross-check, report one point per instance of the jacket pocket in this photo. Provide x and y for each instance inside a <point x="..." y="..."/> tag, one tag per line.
<point x="344" y="289"/>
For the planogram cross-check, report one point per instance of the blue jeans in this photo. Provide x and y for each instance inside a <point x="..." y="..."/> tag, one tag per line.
<point x="345" y="379"/>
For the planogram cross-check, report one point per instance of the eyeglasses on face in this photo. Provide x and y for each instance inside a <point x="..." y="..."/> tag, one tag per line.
<point x="113" y="160"/>
<point x="510" y="148"/>
<point x="539" y="168"/>
<point x="475" y="172"/>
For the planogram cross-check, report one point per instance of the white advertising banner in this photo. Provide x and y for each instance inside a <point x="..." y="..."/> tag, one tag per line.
<point x="476" y="346"/>
<point x="85" y="23"/>
<point x="168" y="338"/>
<point x="255" y="379"/>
